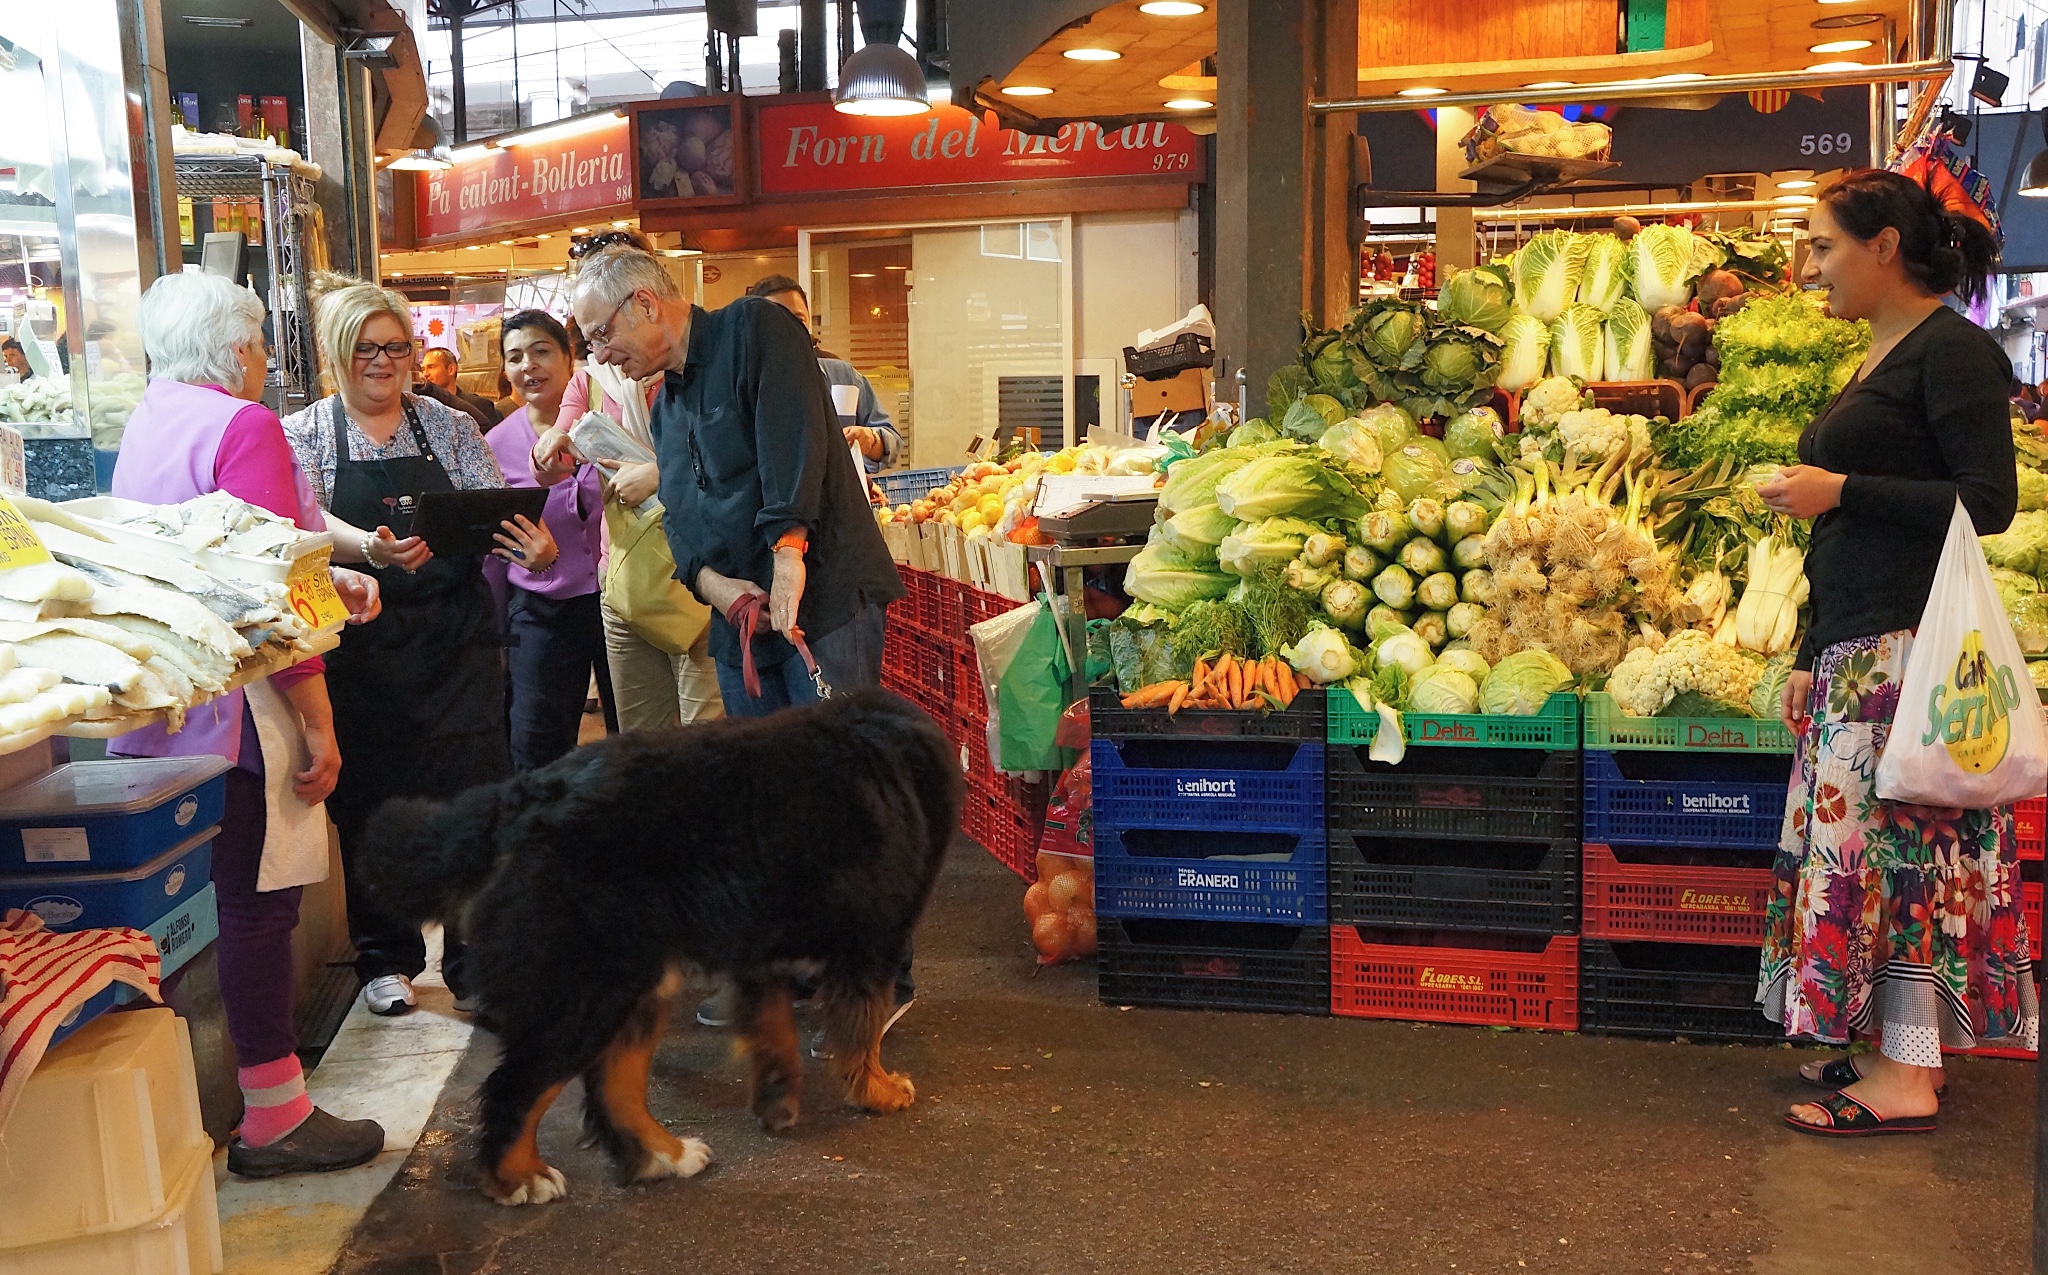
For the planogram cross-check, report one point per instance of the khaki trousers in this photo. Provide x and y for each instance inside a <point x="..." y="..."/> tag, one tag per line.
<point x="655" y="690"/>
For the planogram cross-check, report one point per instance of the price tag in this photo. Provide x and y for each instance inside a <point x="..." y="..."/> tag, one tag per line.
<point x="13" y="460"/>
<point x="19" y="545"/>
<point x="312" y="593"/>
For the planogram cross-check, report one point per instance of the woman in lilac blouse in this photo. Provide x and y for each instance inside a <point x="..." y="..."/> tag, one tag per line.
<point x="556" y="624"/>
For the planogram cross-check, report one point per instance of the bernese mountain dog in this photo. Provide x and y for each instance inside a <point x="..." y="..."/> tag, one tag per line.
<point x="752" y="849"/>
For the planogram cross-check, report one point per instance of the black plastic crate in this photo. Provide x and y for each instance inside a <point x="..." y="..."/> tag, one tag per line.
<point x="1698" y="991"/>
<point x="1238" y="965"/>
<point x="1509" y="794"/>
<point x="1109" y="719"/>
<point x="1189" y="349"/>
<point x="1518" y="887"/>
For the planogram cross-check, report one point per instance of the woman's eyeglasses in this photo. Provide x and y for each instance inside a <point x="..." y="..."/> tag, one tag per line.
<point x="396" y="351"/>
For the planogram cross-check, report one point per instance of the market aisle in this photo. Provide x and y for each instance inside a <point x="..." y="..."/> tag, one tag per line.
<point x="1055" y="1135"/>
<point x="391" y="1070"/>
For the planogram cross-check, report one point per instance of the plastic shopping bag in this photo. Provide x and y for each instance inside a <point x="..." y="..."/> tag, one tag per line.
<point x="1969" y="729"/>
<point x="1024" y="672"/>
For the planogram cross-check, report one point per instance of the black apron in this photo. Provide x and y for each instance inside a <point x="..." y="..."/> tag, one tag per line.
<point x="419" y="692"/>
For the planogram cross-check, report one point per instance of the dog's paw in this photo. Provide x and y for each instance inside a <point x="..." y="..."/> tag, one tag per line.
<point x="540" y="1187"/>
<point x="885" y="1092"/>
<point x="686" y="1161"/>
<point x="777" y="1112"/>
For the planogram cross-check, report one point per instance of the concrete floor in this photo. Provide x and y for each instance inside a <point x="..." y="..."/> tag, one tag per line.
<point x="1053" y="1134"/>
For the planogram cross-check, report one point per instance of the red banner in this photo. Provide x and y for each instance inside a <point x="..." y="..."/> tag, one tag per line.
<point x="809" y="147"/>
<point x="569" y="177"/>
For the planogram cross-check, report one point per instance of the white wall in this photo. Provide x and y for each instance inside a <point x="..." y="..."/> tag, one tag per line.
<point x="1132" y="271"/>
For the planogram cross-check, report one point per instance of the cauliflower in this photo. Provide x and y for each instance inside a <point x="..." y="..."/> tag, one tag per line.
<point x="1646" y="681"/>
<point x="1546" y="403"/>
<point x="1595" y="434"/>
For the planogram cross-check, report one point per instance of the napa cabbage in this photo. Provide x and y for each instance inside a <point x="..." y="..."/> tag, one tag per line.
<point x="1300" y="483"/>
<point x="1270" y="543"/>
<point x="1664" y="263"/>
<point x="1546" y="273"/>
<point x="1165" y="577"/>
<point x="1629" y="354"/>
<point x="1578" y="343"/>
<point x="1525" y="352"/>
<point x="1604" y="280"/>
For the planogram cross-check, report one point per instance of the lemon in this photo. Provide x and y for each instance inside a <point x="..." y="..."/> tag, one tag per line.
<point x="991" y="509"/>
<point x="1062" y="464"/>
<point x="970" y="520"/>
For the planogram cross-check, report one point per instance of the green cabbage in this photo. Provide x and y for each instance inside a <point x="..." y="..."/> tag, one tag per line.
<point x="1391" y="333"/>
<point x="1460" y="364"/>
<point x="1546" y="273"/>
<point x="1255" y="430"/>
<point x="1284" y="386"/>
<point x="1577" y="343"/>
<point x="1629" y="354"/>
<point x="1480" y="298"/>
<point x="1605" y="276"/>
<point x="1355" y="443"/>
<point x="1392" y="426"/>
<point x="1303" y="421"/>
<point x="1519" y="685"/>
<point x="1440" y="688"/>
<point x="1299" y="483"/>
<point x="1164" y="577"/>
<point x="1472" y="433"/>
<point x="1269" y="543"/>
<point x="1418" y="470"/>
<point x="1663" y="263"/>
<point x="1463" y="658"/>
<point x="1525" y="352"/>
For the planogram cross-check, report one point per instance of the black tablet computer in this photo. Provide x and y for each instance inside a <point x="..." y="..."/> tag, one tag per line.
<point x="465" y="524"/>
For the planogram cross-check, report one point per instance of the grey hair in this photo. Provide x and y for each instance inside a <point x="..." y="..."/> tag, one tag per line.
<point x="615" y="273"/>
<point x="194" y="327"/>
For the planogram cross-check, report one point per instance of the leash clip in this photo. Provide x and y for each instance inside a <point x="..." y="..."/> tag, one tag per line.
<point x="818" y="680"/>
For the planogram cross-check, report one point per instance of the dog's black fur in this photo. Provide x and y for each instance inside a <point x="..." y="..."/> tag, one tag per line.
<point x="744" y="848"/>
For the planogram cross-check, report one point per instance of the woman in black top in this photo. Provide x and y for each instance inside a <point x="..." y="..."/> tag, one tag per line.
<point x="1890" y="919"/>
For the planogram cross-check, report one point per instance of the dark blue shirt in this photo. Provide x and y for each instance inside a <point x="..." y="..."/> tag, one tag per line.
<point x="749" y="449"/>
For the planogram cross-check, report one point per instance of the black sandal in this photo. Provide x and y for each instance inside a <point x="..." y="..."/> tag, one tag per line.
<point x="1841" y="1073"/>
<point x="1848" y="1118"/>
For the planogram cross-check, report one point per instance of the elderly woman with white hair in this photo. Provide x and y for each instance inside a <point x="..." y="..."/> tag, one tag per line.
<point x="419" y="693"/>
<point x="200" y="428"/>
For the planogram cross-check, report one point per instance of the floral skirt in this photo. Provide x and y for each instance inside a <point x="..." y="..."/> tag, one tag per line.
<point x="1890" y="920"/>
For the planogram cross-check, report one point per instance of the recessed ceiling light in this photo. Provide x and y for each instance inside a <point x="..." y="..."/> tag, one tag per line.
<point x="1189" y="104"/>
<point x="1092" y="55"/>
<point x="1026" y="90"/>
<point x="1798" y="183"/>
<point x="579" y="230"/>
<point x="1170" y="8"/>
<point x="1839" y="46"/>
<point x="1678" y="77"/>
<point x="1836" y="66"/>
<point x="1422" y="90"/>
<point x="504" y="243"/>
<point x="622" y="224"/>
<point x="1800" y="200"/>
<point x="543" y="236"/>
<point x="1837" y="21"/>
<point x="475" y="247"/>
<point x="863" y="274"/>
<point x="1550" y="84"/>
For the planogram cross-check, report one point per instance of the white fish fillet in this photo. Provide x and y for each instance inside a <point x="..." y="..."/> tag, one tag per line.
<point x="207" y="668"/>
<point x="24" y="684"/>
<point x="81" y="660"/>
<point x="126" y="557"/>
<point x="148" y="691"/>
<point x="184" y="615"/>
<point x="98" y="630"/>
<point x="45" y="582"/>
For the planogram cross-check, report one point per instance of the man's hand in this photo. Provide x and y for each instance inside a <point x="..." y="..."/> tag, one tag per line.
<point x="359" y="593"/>
<point x="632" y="484"/>
<point x="1792" y="700"/>
<point x="869" y="440"/>
<point x="552" y="460"/>
<point x="1802" y="491"/>
<point x="788" y="591"/>
<point x="722" y="591"/>
<point x="313" y="784"/>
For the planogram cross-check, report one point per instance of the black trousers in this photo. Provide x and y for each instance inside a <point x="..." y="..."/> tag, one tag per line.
<point x="556" y="645"/>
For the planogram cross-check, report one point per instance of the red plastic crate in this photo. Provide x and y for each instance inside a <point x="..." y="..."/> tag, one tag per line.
<point x="954" y="613"/>
<point x="1673" y="903"/>
<point x="1479" y="986"/>
<point x="1008" y="832"/>
<point x="969" y="699"/>
<point x="2030" y="819"/>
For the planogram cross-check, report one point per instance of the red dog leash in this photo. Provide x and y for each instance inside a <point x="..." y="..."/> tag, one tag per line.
<point x="746" y="617"/>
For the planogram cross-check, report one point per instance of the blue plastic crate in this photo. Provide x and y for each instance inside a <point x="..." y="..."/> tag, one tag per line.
<point x="901" y="486"/>
<point x="1210" y="876"/>
<point x="101" y="900"/>
<point x="180" y="934"/>
<point x="1249" y="785"/>
<point x="99" y="1003"/>
<point x="109" y="816"/>
<point x="1726" y="801"/>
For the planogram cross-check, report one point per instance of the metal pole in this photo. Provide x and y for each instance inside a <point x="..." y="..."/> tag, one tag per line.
<point x="810" y="52"/>
<point x="460" y="105"/>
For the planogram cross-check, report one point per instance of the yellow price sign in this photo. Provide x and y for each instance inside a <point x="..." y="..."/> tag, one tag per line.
<point x="312" y="594"/>
<point x="19" y="544"/>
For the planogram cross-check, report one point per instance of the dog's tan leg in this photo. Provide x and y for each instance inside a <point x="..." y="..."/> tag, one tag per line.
<point x="520" y="1176"/>
<point x="622" y="1072"/>
<point x="853" y="1030"/>
<point x="774" y="1071"/>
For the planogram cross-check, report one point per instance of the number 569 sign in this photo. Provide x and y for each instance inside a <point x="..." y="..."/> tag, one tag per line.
<point x="1826" y="143"/>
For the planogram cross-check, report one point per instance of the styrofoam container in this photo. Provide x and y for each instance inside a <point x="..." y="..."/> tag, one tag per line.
<point x="101" y="1137"/>
<point x="103" y="816"/>
<point x="183" y="1238"/>
<point x="99" y="513"/>
<point x="180" y="934"/>
<point x="100" y="900"/>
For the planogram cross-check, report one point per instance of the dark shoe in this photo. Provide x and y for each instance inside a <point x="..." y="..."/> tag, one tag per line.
<point x="715" y="1012"/>
<point x="321" y="1144"/>
<point x="1848" y="1118"/>
<point x="819" y="1049"/>
<point x="1841" y="1073"/>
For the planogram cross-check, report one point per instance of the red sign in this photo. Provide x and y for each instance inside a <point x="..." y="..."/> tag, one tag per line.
<point x="568" y="177"/>
<point x="809" y="147"/>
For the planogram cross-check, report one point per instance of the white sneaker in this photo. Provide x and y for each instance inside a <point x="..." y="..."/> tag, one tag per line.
<point x="389" y="996"/>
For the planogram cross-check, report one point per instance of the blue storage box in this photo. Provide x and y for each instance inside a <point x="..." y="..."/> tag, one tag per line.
<point x="1210" y="876"/>
<point x="180" y="934"/>
<point x="1168" y="781"/>
<point x="102" y="900"/>
<point x="102" y="1001"/>
<point x="109" y="816"/>
<point x="1726" y="801"/>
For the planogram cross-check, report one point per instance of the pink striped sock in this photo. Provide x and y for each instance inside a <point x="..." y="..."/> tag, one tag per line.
<point x="274" y="1100"/>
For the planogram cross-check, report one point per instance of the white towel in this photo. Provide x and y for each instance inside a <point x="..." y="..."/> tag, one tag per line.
<point x="294" y="833"/>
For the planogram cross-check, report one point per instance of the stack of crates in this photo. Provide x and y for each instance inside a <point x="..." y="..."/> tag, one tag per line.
<point x="1210" y="857"/>
<point x="928" y="658"/>
<point x="1683" y="818"/>
<point x="122" y="842"/>
<point x="2030" y="819"/>
<point x="1454" y="876"/>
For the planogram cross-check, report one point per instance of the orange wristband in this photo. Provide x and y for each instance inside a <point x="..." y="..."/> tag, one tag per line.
<point x="796" y="538"/>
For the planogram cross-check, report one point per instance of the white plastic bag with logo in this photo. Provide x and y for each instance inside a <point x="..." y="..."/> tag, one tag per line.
<point x="1969" y="729"/>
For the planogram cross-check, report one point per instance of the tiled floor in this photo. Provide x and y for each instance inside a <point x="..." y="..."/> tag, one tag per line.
<point x="386" y="1069"/>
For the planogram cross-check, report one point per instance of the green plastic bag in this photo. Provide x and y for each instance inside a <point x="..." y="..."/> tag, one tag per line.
<point x="1024" y="660"/>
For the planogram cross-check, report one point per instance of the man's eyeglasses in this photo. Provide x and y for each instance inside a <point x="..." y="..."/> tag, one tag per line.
<point x="396" y="351"/>
<point x="601" y="335"/>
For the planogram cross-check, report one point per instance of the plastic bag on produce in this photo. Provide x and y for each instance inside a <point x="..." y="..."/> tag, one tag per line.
<point x="1024" y="673"/>
<point x="1069" y="816"/>
<point x="1060" y="906"/>
<point x="1969" y="730"/>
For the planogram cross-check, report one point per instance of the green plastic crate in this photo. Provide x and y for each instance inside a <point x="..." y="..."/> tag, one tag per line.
<point x="1555" y="729"/>
<point x="1608" y="729"/>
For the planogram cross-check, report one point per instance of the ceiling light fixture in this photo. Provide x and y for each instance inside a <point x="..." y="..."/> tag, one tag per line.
<point x="579" y="230"/>
<point x="1091" y="55"/>
<point x="463" y="154"/>
<point x="1678" y="77"/>
<point x="1170" y="8"/>
<point x="881" y="80"/>
<point x="621" y="225"/>
<point x="205" y="20"/>
<point x="1838" y="46"/>
<point x="1836" y="66"/>
<point x="1551" y="84"/>
<point x="1839" y="21"/>
<point x="1189" y="104"/>
<point x="1422" y="90"/>
<point x="1798" y="183"/>
<point x="1027" y="90"/>
<point x="1797" y="200"/>
<point x="574" y="126"/>
<point x="421" y="161"/>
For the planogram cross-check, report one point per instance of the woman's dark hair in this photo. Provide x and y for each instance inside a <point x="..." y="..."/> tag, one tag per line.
<point x="777" y="284"/>
<point x="1943" y="251"/>
<point x="541" y="319"/>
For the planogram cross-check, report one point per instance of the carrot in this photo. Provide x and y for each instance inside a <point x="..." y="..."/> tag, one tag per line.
<point x="1201" y="672"/>
<point x="1287" y="691"/>
<point x="1180" y="697"/>
<point x="1150" y="696"/>
<point x="1301" y="682"/>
